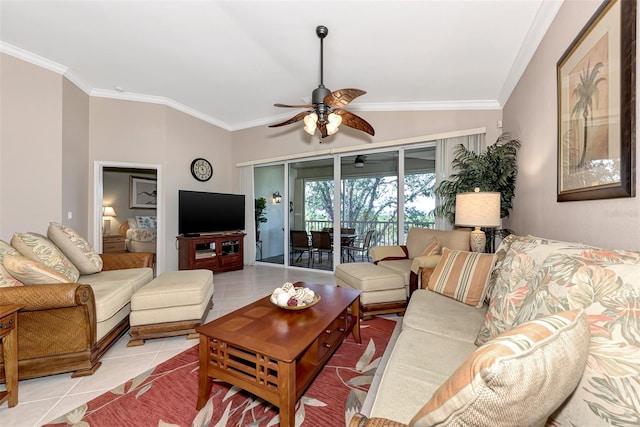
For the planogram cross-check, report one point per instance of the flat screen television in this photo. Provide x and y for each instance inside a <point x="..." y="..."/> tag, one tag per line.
<point x="201" y="212"/>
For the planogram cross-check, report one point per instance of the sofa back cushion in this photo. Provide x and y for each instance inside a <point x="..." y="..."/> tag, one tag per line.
<point x="517" y="379"/>
<point x="6" y="278"/>
<point x="606" y="284"/>
<point x="38" y="248"/>
<point x="75" y="247"/>
<point x="462" y="275"/>
<point x="419" y="238"/>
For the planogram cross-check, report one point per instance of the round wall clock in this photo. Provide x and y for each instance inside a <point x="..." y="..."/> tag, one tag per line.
<point x="201" y="169"/>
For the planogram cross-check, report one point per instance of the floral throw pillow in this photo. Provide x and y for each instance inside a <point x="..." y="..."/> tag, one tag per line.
<point x="606" y="284"/>
<point x="38" y="248"/>
<point x="75" y="247"/>
<point x="146" y="222"/>
<point x="517" y="273"/>
<point x="6" y="279"/>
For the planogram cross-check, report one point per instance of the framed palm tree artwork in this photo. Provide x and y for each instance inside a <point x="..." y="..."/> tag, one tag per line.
<point x="596" y="107"/>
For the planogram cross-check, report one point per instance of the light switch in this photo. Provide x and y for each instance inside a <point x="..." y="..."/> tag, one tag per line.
<point x="69" y="215"/>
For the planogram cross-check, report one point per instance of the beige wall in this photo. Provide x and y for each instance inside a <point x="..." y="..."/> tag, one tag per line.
<point x="150" y="134"/>
<point x="75" y="149"/>
<point x="31" y="147"/>
<point x="263" y="142"/>
<point x="530" y="114"/>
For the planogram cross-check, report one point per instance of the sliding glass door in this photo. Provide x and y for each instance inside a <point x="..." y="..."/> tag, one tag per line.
<point x="380" y="196"/>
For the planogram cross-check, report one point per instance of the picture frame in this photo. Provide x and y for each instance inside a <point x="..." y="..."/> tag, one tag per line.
<point x="596" y="107"/>
<point x="143" y="193"/>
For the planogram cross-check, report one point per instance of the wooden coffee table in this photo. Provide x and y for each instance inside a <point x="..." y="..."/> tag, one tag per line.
<point x="275" y="353"/>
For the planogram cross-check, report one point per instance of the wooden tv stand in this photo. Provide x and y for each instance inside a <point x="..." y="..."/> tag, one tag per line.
<point x="216" y="252"/>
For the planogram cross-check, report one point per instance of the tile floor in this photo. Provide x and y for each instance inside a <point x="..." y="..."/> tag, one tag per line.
<point x="41" y="400"/>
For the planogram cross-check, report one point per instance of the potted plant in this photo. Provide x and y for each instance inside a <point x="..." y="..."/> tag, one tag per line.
<point x="494" y="170"/>
<point x="261" y="216"/>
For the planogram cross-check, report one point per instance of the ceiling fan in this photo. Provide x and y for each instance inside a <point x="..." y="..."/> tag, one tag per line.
<point x="327" y="113"/>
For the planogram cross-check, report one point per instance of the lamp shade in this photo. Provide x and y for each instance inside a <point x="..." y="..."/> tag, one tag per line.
<point x="108" y="211"/>
<point x="478" y="209"/>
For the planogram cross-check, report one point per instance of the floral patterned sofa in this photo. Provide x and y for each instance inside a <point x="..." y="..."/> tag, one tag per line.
<point x="76" y="302"/>
<point x="557" y="344"/>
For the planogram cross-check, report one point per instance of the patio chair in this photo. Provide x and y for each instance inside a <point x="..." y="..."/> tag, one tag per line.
<point x="321" y="243"/>
<point x="359" y="245"/>
<point x="299" y="245"/>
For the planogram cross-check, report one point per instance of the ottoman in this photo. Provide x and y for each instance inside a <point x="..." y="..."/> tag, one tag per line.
<point x="172" y="304"/>
<point x="383" y="290"/>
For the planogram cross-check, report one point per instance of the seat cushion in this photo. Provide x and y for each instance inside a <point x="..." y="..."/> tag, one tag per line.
<point x="400" y="266"/>
<point x="518" y="379"/>
<point x="174" y="289"/>
<point x="113" y="289"/>
<point x="440" y="315"/>
<point x="419" y="363"/>
<point x="367" y="277"/>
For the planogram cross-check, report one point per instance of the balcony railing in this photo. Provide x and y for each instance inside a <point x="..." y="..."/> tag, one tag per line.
<point x="385" y="233"/>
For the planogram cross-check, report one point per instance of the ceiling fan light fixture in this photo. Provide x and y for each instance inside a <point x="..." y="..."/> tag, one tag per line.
<point x="335" y="120"/>
<point x="310" y="123"/>
<point x="359" y="163"/>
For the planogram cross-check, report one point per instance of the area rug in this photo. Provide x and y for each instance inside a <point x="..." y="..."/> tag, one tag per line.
<point x="166" y="395"/>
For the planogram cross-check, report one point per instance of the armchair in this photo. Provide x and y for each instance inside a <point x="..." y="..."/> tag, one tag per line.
<point x="410" y="259"/>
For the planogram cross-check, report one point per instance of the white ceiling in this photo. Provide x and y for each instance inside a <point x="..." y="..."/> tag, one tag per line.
<point x="228" y="62"/>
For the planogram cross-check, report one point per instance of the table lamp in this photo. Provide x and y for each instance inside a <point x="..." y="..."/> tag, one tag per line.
<point x="478" y="209"/>
<point x="107" y="214"/>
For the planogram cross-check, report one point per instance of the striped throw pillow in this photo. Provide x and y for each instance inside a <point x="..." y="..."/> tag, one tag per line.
<point x="462" y="275"/>
<point x="432" y="248"/>
<point x="517" y="379"/>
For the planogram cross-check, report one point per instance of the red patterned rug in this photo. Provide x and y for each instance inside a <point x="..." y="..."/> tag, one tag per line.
<point x="166" y="395"/>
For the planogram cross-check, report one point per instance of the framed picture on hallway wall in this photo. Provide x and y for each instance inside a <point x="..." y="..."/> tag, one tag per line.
<point x="596" y="107"/>
<point x="143" y="193"/>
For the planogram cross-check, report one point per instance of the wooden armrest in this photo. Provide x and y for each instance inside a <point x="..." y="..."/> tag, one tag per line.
<point x="121" y="261"/>
<point x="47" y="297"/>
<point x="360" y="420"/>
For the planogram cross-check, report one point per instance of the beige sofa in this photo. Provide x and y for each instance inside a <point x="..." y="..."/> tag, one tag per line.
<point x="444" y="368"/>
<point x="76" y="302"/>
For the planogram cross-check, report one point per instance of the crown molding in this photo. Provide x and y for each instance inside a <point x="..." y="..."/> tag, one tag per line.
<point x="137" y="97"/>
<point x="545" y="16"/>
<point x="487" y="104"/>
<point x="151" y="99"/>
<point x="32" y="58"/>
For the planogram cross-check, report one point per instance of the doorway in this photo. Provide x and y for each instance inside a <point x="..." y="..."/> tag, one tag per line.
<point x="129" y="209"/>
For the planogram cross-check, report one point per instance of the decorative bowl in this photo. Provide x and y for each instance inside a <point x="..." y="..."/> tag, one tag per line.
<point x="316" y="298"/>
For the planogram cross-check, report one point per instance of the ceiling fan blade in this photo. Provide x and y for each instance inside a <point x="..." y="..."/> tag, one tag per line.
<point x="293" y="106"/>
<point x="293" y="119"/>
<point x="340" y="98"/>
<point x="356" y="122"/>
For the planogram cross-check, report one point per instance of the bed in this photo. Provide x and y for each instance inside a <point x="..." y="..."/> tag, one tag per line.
<point x="140" y="234"/>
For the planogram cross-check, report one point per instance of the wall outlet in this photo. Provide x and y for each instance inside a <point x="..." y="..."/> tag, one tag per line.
<point x="69" y="215"/>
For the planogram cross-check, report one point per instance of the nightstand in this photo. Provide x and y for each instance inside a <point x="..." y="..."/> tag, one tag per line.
<point x="9" y="339"/>
<point x="113" y="243"/>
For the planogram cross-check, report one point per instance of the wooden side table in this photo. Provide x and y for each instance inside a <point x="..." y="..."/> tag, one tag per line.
<point x="113" y="243"/>
<point x="9" y="338"/>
